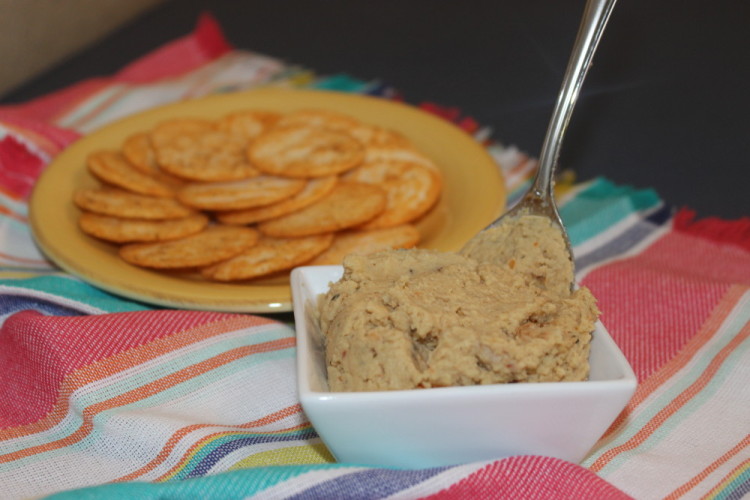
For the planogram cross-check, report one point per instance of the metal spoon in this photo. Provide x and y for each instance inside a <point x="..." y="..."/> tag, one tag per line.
<point x="539" y="200"/>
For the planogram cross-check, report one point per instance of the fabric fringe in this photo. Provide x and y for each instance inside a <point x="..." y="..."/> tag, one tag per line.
<point x="734" y="232"/>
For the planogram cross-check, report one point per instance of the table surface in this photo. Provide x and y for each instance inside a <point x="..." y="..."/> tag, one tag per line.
<point x="665" y="104"/>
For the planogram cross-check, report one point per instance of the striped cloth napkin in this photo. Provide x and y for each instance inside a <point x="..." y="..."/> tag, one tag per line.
<point x="101" y="397"/>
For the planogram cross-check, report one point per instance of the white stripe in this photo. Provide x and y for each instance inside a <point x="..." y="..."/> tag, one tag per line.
<point x="714" y="478"/>
<point x="677" y="383"/>
<point x="168" y="360"/>
<point x="609" y="235"/>
<point x="483" y="134"/>
<point x="91" y="103"/>
<point x="127" y="439"/>
<point x="714" y="427"/>
<point x="713" y="421"/>
<point x="516" y="179"/>
<point x="507" y="156"/>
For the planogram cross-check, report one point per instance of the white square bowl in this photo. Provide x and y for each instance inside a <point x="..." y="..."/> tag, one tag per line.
<point x="453" y="425"/>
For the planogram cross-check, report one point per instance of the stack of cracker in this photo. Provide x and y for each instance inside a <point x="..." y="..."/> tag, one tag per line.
<point x="255" y="193"/>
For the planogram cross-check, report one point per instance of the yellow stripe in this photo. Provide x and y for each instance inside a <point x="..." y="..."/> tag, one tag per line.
<point x="316" y="453"/>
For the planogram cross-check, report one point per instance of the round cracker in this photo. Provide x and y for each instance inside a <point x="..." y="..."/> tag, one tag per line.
<point x="209" y="156"/>
<point x="305" y="152"/>
<point x="412" y="190"/>
<point x="314" y="190"/>
<point x="318" y="118"/>
<point x="138" y="151"/>
<point x="112" y="167"/>
<point x="119" y="230"/>
<point x="213" y="244"/>
<point x="247" y="124"/>
<point x="245" y="193"/>
<point x="164" y="133"/>
<point x="120" y="203"/>
<point x="269" y="256"/>
<point x="378" y="137"/>
<point x="367" y="242"/>
<point x="401" y="154"/>
<point x="349" y="204"/>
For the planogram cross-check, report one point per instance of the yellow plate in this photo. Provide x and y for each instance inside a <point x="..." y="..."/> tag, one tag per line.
<point x="473" y="195"/>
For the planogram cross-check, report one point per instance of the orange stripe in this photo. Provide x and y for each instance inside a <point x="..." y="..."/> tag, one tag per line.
<point x="185" y="458"/>
<point x="728" y="478"/>
<point x="124" y="360"/>
<point x="665" y="413"/>
<point x="711" y="468"/>
<point x="13" y="196"/>
<point x="13" y="215"/>
<point x="180" y="434"/>
<point x="727" y="303"/>
<point x="146" y="391"/>
<point x="21" y="259"/>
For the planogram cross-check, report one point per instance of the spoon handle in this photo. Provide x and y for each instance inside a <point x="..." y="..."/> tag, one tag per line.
<point x="595" y="17"/>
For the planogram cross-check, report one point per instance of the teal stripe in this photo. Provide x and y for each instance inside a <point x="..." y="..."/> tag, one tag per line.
<point x="192" y="385"/>
<point x="601" y="205"/>
<point x="730" y="330"/>
<point x="77" y="290"/>
<point x="342" y="83"/>
<point x="11" y="223"/>
<point x="233" y="485"/>
<point x="737" y="488"/>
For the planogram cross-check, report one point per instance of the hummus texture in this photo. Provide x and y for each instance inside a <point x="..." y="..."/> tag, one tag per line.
<point x="500" y="311"/>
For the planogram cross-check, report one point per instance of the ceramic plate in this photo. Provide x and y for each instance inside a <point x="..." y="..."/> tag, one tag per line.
<point x="474" y="194"/>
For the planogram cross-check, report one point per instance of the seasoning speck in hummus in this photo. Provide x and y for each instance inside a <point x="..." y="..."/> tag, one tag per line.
<point x="501" y="311"/>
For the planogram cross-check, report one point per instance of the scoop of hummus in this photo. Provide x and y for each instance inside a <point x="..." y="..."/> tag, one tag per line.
<point x="405" y="319"/>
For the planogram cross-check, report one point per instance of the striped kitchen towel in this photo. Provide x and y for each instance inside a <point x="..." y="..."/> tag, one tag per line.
<point x="103" y="397"/>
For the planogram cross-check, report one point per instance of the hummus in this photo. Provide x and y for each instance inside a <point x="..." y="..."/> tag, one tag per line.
<point x="500" y="311"/>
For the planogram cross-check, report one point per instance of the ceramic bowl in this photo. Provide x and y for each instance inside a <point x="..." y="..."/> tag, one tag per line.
<point x="453" y="425"/>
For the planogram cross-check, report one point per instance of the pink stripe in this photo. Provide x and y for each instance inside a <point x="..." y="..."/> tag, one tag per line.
<point x="655" y="302"/>
<point x="37" y="352"/>
<point x="19" y="167"/>
<point x="699" y="258"/>
<point x="531" y="477"/>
